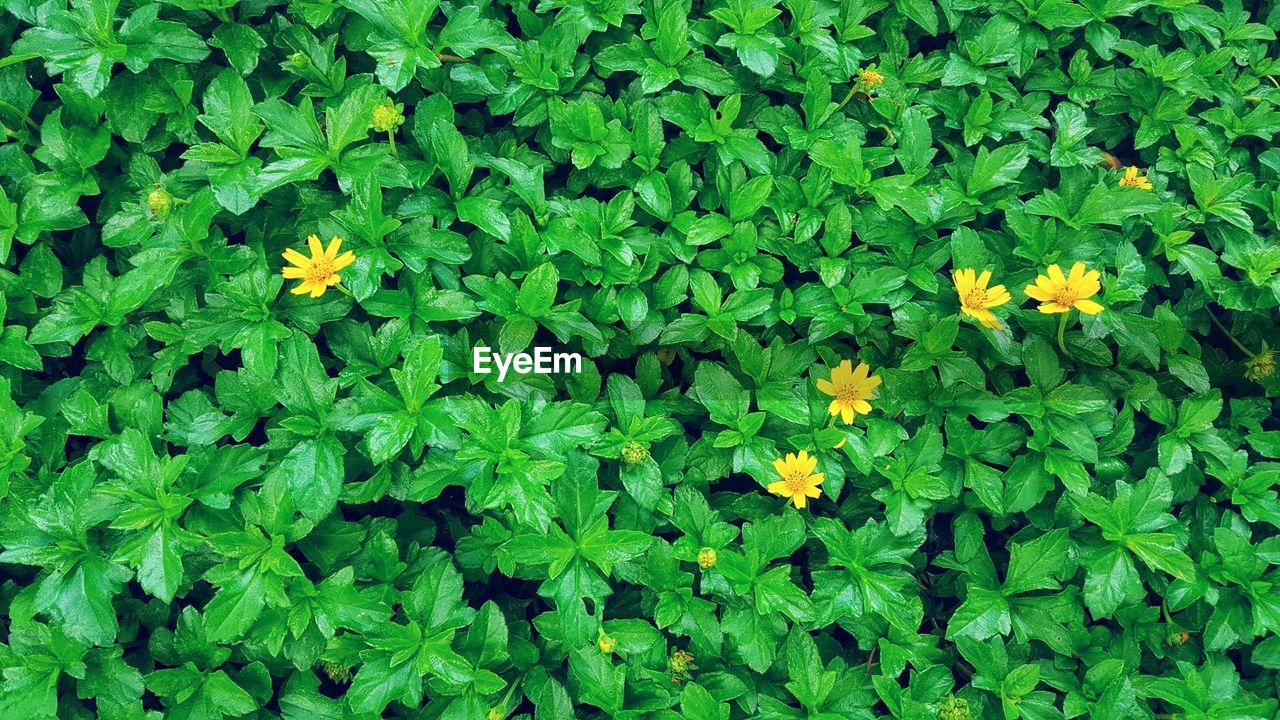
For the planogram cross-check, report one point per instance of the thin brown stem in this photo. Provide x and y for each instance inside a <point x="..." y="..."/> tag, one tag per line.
<point x="1227" y="332"/>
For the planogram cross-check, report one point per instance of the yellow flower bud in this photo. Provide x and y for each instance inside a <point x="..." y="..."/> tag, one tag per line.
<point x="680" y="662"/>
<point x="870" y="79"/>
<point x="496" y="714"/>
<point x="387" y="117"/>
<point x="160" y="202"/>
<point x="607" y="643"/>
<point x="634" y="453"/>
<point x="707" y="557"/>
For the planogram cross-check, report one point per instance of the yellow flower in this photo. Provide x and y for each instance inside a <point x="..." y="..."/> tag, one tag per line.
<point x="320" y="271"/>
<point x="870" y="79"/>
<point x="976" y="299"/>
<point x="798" y="482"/>
<point x="386" y="117"/>
<point x="851" y="390"/>
<point x="707" y="558"/>
<point x="1058" y="294"/>
<point x="1133" y="179"/>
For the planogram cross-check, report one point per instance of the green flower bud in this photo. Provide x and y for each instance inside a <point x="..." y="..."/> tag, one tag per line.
<point x="633" y="453"/>
<point x="160" y="202"/>
<point x="387" y="117"/>
<point x="954" y="708"/>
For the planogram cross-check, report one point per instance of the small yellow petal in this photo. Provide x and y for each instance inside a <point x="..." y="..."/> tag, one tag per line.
<point x="1088" y="307"/>
<point x="296" y="258"/>
<point x="1037" y="293"/>
<point x="344" y="260"/>
<point x="313" y="243"/>
<point x="1077" y="274"/>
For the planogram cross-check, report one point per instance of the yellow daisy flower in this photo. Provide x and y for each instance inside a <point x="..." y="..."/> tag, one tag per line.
<point x="1058" y="293"/>
<point x="870" y="79"/>
<point x="1133" y="179"/>
<point x="320" y="271"/>
<point x="851" y="389"/>
<point x="799" y="482"/>
<point x="976" y="299"/>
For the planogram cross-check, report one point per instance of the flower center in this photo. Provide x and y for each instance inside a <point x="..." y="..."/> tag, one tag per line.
<point x="1066" y="296"/>
<point x="977" y="298"/>
<point x="320" y="270"/>
<point x="846" y="394"/>
<point x="797" y="481"/>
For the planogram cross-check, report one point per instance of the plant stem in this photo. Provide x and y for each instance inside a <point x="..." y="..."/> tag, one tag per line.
<point x="445" y="57"/>
<point x="391" y="137"/>
<point x="1062" y="328"/>
<point x="339" y="287"/>
<point x="1230" y="337"/>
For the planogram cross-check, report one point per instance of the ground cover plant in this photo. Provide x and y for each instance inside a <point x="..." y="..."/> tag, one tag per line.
<point x="926" y="365"/>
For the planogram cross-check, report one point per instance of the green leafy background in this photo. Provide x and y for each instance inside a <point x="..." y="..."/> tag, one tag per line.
<point x="221" y="500"/>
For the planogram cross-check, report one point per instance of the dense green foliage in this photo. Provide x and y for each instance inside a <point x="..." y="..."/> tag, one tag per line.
<point x="221" y="499"/>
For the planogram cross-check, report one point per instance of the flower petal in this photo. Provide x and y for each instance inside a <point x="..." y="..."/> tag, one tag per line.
<point x="1053" y="307"/>
<point x="1037" y="293"/>
<point x="344" y="260"/>
<point x="293" y="273"/>
<point x="780" y="466"/>
<point x="778" y="488"/>
<point x="1055" y="274"/>
<point x="984" y="278"/>
<point x="313" y="243"/>
<point x="825" y="387"/>
<point x="847" y="414"/>
<point x="842" y="372"/>
<point x="1077" y="274"/>
<point x="296" y="258"/>
<point x="861" y="373"/>
<point x="1089" y="307"/>
<point x="331" y="252"/>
